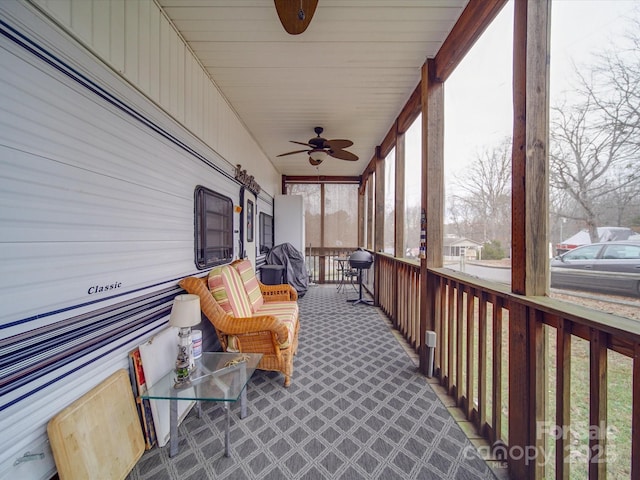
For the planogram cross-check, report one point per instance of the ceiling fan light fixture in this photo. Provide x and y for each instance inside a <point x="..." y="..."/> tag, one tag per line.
<point x="318" y="156"/>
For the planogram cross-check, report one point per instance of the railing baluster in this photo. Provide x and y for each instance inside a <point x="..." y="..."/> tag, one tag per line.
<point x="482" y="361"/>
<point x="538" y="403"/>
<point x="440" y="326"/>
<point x="470" y="351"/>
<point x="496" y="390"/>
<point x="635" y="417"/>
<point x="450" y="340"/>
<point x="563" y="397"/>
<point x="459" y="342"/>
<point x="597" y="404"/>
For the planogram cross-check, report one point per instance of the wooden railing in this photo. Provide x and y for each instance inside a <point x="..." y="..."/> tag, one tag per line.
<point x="583" y="417"/>
<point x="398" y="295"/>
<point x="321" y="265"/>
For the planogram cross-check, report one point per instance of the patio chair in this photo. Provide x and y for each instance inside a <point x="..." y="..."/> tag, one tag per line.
<point x="348" y="275"/>
<point x="249" y="316"/>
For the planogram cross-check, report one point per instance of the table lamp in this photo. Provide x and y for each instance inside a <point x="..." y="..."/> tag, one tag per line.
<point x="185" y="313"/>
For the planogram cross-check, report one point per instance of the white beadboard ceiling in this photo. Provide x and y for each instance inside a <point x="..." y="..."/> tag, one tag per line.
<point x="350" y="72"/>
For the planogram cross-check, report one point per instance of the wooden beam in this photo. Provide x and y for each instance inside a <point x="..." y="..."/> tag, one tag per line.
<point x="370" y="213"/>
<point x="361" y="220"/>
<point x="366" y="173"/>
<point x="378" y="241"/>
<point x="320" y="179"/>
<point x="527" y="373"/>
<point x="432" y="201"/>
<point x="530" y="156"/>
<point x="474" y="20"/>
<point x="433" y="151"/>
<point x="322" y="240"/>
<point x="389" y="141"/>
<point x="411" y="110"/>
<point x="537" y="148"/>
<point x="399" y="197"/>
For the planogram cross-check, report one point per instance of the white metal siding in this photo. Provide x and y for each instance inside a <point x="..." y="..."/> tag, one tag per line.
<point x="94" y="191"/>
<point x="157" y="61"/>
<point x="96" y="188"/>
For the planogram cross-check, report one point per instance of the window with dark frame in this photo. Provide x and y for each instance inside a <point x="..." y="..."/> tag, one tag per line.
<point x="214" y="228"/>
<point x="266" y="232"/>
<point x="249" y="221"/>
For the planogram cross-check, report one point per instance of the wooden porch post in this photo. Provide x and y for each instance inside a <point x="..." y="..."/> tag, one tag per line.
<point x="322" y="271"/>
<point x="399" y="193"/>
<point x="378" y="240"/>
<point x="432" y="198"/>
<point x="371" y="211"/>
<point x="361" y="220"/>
<point x="529" y="252"/>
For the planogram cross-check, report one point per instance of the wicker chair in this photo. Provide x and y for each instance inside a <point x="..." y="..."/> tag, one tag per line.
<point x="262" y="333"/>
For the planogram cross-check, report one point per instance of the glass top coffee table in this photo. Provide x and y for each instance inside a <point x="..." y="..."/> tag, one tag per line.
<point x="217" y="377"/>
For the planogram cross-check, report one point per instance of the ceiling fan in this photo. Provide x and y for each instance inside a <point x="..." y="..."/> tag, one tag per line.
<point x="295" y="15"/>
<point x="321" y="148"/>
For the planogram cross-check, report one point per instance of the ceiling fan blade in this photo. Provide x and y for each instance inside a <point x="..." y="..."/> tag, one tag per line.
<point x="343" y="155"/>
<point x="295" y="16"/>
<point x="338" y="144"/>
<point x="302" y="143"/>
<point x="291" y="153"/>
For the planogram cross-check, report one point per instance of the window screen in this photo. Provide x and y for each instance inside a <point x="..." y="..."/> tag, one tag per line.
<point x="214" y="228"/>
<point x="266" y="232"/>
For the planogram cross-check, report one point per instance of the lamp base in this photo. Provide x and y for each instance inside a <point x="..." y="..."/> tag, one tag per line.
<point x="183" y="362"/>
<point x="180" y="384"/>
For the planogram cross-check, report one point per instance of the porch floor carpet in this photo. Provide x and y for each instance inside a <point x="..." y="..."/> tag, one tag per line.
<point x="357" y="408"/>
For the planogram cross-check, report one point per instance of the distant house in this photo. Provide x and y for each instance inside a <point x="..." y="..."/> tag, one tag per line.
<point x="605" y="234"/>
<point x="456" y="247"/>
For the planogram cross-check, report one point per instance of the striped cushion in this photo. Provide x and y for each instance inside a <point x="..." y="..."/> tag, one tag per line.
<point x="250" y="283"/>
<point x="226" y="287"/>
<point x="285" y="311"/>
<point x="233" y="345"/>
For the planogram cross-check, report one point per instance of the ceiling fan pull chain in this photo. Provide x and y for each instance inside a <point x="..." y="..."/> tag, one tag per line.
<point x="301" y="12"/>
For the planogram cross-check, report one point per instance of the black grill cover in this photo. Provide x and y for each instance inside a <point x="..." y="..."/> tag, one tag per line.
<point x="295" y="268"/>
<point x="360" y="259"/>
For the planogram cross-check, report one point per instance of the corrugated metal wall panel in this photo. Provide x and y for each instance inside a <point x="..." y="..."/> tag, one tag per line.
<point x="131" y="42"/>
<point x="139" y="42"/>
<point x="116" y="34"/>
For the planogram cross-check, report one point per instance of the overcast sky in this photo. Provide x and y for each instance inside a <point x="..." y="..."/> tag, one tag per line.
<point x="478" y="97"/>
<point x="478" y="113"/>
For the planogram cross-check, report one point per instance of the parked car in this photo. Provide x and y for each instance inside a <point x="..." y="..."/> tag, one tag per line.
<point x="606" y="267"/>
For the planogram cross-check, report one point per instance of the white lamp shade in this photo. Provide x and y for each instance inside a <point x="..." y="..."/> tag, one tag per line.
<point x="185" y="311"/>
<point x="318" y="155"/>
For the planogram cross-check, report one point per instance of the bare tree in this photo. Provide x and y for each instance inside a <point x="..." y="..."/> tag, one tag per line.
<point x="595" y="144"/>
<point x="484" y="204"/>
<point x="622" y="206"/>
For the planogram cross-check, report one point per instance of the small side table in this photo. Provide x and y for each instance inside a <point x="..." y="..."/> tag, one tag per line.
<point x="217" y="377"/>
